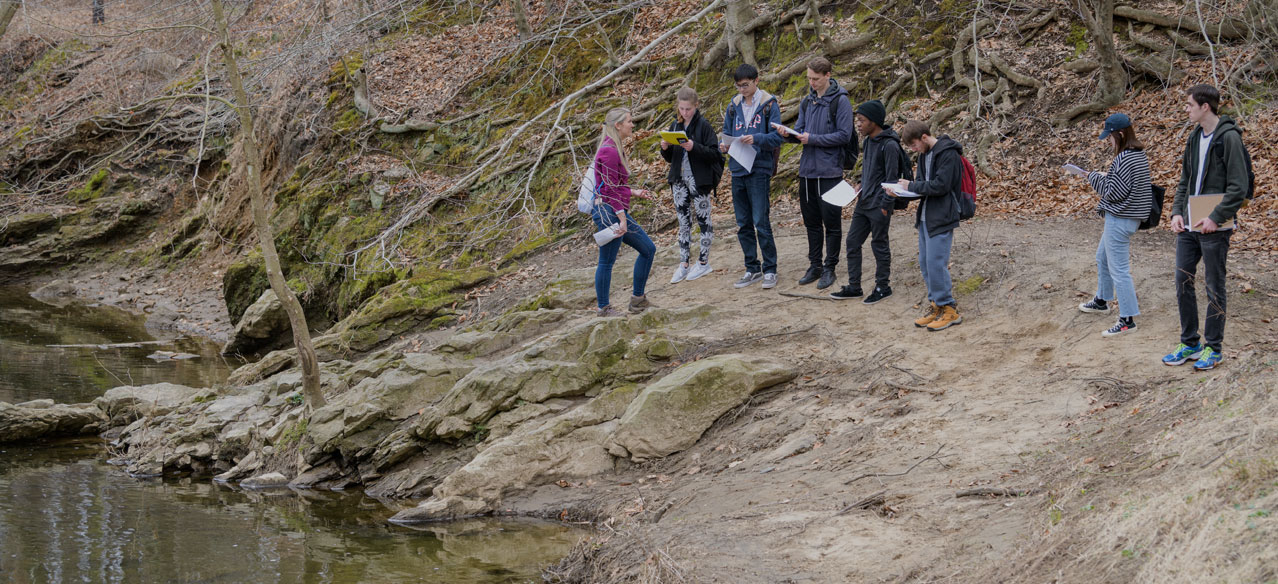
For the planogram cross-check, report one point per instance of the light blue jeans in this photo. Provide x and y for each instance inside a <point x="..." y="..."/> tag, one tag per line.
<point x="934" y="261"/>
<point x="1113" y="264"/>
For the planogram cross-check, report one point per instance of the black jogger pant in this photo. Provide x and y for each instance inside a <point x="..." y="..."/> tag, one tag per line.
<point x="824" y="222"/>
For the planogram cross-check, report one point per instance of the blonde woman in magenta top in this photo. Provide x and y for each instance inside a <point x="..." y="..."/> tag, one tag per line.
<point x="612" y="209"/>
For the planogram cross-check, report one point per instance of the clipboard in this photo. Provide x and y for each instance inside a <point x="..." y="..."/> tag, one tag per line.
<point x="898" y="191"/>
<point x="674" y="137"/>
<point x="1199" y="207"/>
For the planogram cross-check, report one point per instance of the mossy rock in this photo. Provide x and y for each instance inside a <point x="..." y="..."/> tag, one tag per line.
<point x="243" y="283"/>
<point x="405" y="304"/>
<point x="92" y="189"/>
<point x="26" y="227"/>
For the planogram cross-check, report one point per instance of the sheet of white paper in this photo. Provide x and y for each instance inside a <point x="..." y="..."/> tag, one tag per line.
<point x="1070" y="168"/>
<point x="898" y="191"/>
<point x="842" y="194"/>
<point x="742" y="153"/>
<point x="784" y="130"/>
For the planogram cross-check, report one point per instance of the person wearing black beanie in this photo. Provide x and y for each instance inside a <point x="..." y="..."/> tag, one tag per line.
<point x="882" y="161"/>
<point x="874" y="111"/>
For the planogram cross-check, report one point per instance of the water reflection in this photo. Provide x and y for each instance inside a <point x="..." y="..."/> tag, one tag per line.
<point x="31" y="369"/>
<point x="67" y="517"/>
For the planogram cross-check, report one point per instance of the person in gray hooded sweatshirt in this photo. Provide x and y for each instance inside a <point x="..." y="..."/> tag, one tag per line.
<point x="882" y="161"/>
<point x="821" y="167"/>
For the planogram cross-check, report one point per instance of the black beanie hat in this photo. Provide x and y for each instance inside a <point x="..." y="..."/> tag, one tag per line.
<point x="874" y="111"/>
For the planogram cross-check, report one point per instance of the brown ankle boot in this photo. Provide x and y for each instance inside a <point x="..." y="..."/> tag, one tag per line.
<point x="927" y="318"/>
<point x="947" y="317"/>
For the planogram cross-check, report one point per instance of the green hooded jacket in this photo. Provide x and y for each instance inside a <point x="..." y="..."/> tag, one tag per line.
<point x="1225" y="171"/>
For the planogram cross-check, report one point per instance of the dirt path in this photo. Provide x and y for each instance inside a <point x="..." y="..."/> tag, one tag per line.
<point x="850" y="473"/>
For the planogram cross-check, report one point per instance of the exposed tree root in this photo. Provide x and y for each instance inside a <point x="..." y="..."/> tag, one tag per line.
<point x="1232" y="29"/>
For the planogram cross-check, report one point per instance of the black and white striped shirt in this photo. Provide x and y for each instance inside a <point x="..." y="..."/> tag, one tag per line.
<point x="1125" y="192"/>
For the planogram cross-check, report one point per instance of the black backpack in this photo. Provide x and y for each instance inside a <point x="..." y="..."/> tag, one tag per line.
<point x="850" y="151"/>
<point x="1251" y="173"/>
<point x="1156" y="211"/>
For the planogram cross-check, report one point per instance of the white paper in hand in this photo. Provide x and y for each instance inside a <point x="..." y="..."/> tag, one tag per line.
<point x="606" y="235"/>
<point x="1070" y="168"/>
<point x="896" y="190"/>
<point x="842" y="194"/>
<point x="740" y="151"/>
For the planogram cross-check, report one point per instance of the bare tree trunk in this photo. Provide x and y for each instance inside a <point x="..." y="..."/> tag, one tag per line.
<point x="814" y="12"/>
<point x="521" y="19"/>
<point x="99" y="12"/>
<point x="253" y="156"/>
<point x="741" y="12"/>
<point x="1098" y="15"/>
<point x="8" y="8"/>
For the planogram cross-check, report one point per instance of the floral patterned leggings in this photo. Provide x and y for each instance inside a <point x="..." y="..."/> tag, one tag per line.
<point x="689" y="202"/>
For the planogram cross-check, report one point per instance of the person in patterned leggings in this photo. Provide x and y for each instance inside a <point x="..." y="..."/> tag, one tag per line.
<point x="695" y="168"/>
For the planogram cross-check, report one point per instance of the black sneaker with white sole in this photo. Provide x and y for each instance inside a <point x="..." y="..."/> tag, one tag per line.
<point x="878" y="294"/>
<point x="846" y="293"/>
<point x="1125" y="324"/>
<point x="1095" y="305"/>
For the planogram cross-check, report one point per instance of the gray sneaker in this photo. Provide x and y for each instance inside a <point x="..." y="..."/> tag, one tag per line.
<point x="749" y="278"/>
<point x="608" y="311"/>
<point x="769" y="281"/>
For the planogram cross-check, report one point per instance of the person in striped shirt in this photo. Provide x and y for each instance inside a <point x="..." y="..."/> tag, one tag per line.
<point x="1125" y="200"/>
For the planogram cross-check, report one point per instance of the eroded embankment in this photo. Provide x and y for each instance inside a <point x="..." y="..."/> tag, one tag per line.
<point x="860" y="468"/>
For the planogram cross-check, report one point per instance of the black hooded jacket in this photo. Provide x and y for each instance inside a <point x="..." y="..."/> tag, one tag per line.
<point x="939" y="186"/>
<point x="706" y="161"/>
<point x="880" y="163"/>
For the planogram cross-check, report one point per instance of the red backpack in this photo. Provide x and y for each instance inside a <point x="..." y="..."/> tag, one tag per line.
<point x="967" y="191"/>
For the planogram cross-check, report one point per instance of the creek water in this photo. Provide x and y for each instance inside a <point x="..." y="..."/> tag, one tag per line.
<point x="66" y="515"/>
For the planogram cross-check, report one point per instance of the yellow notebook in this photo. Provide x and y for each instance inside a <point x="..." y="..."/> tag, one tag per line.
<point x="674" y="137"/>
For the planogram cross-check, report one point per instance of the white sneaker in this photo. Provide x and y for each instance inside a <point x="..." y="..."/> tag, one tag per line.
<point x="769" y="281"/>
<point x="699" y="270"/>
<point x="680" y="273"/>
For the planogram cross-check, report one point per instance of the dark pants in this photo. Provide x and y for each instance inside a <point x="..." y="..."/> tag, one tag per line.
<point x="752" y="204"/>
<point x="869" y="223"/>
<point x="823" y="221"/>
<point x="1212" y="249"/>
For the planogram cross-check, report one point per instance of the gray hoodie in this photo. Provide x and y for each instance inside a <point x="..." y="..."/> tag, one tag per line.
<point x="821" y="155"/>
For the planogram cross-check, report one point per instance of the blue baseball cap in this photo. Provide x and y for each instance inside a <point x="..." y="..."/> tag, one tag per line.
<point x="1114" y="123"/>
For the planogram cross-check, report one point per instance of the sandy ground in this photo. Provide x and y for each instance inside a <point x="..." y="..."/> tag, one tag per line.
<point x="850" y="473"/>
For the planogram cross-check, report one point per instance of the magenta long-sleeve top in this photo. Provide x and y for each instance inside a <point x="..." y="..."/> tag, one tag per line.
<point x="614" y="179"/>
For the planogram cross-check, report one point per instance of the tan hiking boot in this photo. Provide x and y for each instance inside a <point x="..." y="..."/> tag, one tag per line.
<point x="639" y="304"/>
<point x="947" y="317"/>
<point x="927" y="318"/>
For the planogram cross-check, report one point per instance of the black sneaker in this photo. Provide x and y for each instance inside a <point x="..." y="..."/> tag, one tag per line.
<point x="846" y="293"/>
<point x="877" y="295"/>
<point x="1124" y="325"/>
<point x="827" y="279"/>
<point x="1094" y="305"/>
<point x="811" y="275"/>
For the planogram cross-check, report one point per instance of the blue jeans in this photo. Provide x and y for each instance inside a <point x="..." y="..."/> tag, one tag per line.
<point x="1113" y="264"/>
<point x="635" y="237"/>
<point x="752" y="203"/>
<point x="934" y="261"/>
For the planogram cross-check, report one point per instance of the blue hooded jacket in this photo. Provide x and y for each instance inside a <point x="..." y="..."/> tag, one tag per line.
<point x="766" y="138"/>
<point x="822" y="154"/>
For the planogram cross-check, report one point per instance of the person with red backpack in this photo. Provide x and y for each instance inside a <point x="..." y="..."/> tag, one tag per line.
<point x="938" y="182"/>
